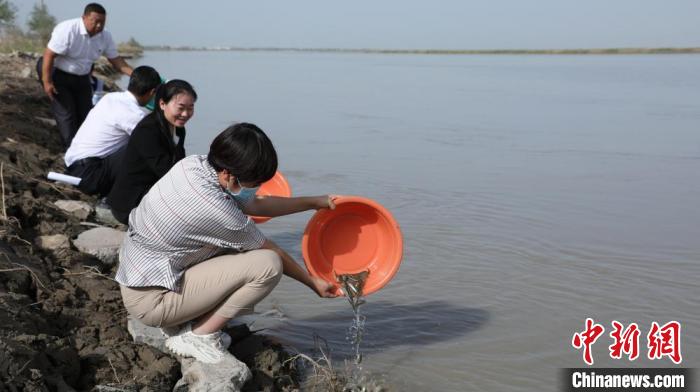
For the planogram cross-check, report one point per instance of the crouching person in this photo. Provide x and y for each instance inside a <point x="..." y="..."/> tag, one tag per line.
<point x="97" y="151"/>
<point x="192" y="259"/>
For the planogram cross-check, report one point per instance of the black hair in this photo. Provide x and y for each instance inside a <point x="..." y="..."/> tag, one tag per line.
<point x="245" y="151"/>
<point x="143" y="79"/>
<point x="94" y="7"/>
<point x="166" y="92"/>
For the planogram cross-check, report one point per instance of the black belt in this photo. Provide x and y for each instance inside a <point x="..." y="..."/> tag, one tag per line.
<point x="58" y="70"/>
<point x="85" y="161"/>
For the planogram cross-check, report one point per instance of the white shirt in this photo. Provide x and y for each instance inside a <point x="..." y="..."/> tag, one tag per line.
<point x="76" y="50"/>
<point x="184" y="219"/>
<point x="107" y="127"/>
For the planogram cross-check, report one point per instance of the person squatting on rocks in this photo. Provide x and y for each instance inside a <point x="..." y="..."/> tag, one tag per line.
<point x="156" y="144"/>
<point x="64" y="70"/>
<point x="96" y="153"/>
<point x="193" y="258"/>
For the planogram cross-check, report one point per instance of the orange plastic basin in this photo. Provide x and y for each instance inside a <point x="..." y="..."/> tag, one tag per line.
<point x="276" y="186"/>
<point x="358" y="235"/>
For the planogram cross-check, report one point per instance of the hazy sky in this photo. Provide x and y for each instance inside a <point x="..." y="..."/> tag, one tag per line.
<point x="394" y="24"/>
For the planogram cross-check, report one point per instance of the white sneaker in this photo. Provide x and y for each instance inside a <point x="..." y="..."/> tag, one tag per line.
<point x="174" y="331"/>
<point x="204" y="348"/>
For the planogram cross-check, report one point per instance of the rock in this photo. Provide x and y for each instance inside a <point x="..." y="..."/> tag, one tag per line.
<point x="23" y="55"/>
<point x="142" y="333"/>
<point x="101" y="242"/>
<point x="104" y="214"/>
<point x="79" y="209"/>
<point x="229" y="375"/>
<point x="52" y="242"/>
<point x="109" y="388"/>
<point x="148" y="354"/>
<point x="103" y="67"/>
<point x="26" y="72"/>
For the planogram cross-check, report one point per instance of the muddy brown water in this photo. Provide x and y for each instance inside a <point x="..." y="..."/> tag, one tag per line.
<point x="532" y="192"/>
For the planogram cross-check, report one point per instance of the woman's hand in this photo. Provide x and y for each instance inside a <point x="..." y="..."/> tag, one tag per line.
<point x="322" y="288"/>
<point x="326" y="201"/>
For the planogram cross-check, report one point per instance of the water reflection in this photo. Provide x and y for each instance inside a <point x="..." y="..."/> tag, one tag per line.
<point x="389" y="325"/>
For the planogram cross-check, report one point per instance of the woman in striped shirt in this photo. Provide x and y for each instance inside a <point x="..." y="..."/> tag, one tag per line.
<point x="192" y="258"/>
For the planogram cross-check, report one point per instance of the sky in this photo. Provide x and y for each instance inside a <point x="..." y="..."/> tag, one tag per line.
<point x="396" y="24"/>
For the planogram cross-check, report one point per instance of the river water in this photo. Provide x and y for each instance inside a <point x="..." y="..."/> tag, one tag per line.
<point x="533" y="192"/>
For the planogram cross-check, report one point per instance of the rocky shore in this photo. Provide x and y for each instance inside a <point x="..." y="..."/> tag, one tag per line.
<point x="62" y="323"/>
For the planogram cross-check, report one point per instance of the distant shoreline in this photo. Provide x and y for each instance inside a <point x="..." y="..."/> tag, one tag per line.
<point x="609" y="51"/>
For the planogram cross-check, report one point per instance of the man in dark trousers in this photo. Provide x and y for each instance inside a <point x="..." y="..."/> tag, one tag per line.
<point x="64" y="70"/>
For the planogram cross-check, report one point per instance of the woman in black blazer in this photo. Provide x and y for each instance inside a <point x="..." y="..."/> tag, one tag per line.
<point x="155" y="145"/>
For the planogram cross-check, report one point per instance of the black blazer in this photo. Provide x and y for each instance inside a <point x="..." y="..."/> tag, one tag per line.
<point x="150" y="153"/>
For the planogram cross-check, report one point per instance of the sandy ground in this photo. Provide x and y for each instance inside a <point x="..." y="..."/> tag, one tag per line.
<point x="62" y="323"/>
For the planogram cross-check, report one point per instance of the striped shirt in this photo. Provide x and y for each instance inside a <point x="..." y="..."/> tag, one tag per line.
<point x="184" y="219"/>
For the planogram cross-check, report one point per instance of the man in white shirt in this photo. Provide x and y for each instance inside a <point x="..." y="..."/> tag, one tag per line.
<point x="64" y="70"/>
<point x="96" y="152"/>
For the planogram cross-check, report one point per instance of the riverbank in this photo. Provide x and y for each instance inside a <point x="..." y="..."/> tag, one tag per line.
<point x="62" y="323"/>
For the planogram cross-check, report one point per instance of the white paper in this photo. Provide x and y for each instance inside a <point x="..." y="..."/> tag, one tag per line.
<point x="64" y="178"/>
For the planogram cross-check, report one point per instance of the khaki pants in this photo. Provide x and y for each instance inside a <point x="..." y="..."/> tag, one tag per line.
<point x="230" y="285"/>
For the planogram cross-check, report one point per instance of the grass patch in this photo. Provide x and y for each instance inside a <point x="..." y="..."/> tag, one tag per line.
<point x="324" y="376"/>
<point x="13" y="42"/>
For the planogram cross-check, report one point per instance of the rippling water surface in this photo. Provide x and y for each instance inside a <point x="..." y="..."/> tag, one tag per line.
<point x="532" y="192"/>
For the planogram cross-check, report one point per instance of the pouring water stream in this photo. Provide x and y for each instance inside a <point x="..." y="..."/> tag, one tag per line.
<point x="352" y="285"/>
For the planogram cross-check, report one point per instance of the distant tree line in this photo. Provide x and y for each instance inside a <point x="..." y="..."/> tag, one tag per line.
<point x="8" y="12"/>
<point x="40" y="23"/>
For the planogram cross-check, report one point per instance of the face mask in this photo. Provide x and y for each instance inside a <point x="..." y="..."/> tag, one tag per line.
<point x="244" y="195"/>
<point x="151" y="105"/>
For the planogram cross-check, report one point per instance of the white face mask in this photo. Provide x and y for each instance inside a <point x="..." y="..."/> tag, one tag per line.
<point x="244" y="194"/>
